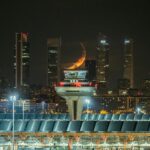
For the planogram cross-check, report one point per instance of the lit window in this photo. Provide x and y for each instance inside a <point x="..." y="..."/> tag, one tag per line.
<point x="127" y="41"/>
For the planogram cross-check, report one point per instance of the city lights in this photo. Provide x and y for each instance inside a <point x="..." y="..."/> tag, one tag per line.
<point x="87" y="101"/>
<point x="75" y="75"/>
<point x="138" y="110"/>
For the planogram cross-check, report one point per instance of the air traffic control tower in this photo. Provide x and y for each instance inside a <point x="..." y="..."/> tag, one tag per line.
<point x="75" y="89"/>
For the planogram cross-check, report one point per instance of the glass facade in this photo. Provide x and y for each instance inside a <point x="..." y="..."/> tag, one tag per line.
<point x="102" y="60"/>
<point x="102" y="64"/>
<point x="128" y="61"/>
<point x="22" y="59"/>
<point x="54" y="45"/>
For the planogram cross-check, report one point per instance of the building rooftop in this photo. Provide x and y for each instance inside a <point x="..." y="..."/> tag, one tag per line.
<point x="88" y="123"/>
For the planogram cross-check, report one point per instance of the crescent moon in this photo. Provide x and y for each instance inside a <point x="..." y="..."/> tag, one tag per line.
<point x="80" y="61"/>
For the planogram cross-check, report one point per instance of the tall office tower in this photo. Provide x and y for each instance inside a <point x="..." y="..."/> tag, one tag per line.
<point x="22" y="59"/>
<point x="102" y="60"/>
<point x="128" y="61"/>
<point x="54" y="66"/>
<point x="90" y="66"/>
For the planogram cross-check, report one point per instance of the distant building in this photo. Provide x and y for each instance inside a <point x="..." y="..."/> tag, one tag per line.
<point x="144" y="106"/>
<point x="90" y="66"/>
<point x="4" y="87"/>
<point x="135" y="92"/>
<point x="146" y="84"/>
<point x="123" y="86"/>
<point x="128" y="72"/>
<point x="54" y="48"/>
<point x="22" y="60"/>
<point x="102" y="61"/>
<point x="146" y="87"/>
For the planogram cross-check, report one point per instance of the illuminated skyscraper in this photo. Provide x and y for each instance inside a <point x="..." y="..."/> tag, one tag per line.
<point x="102" y="60"/>
<point x="54" y="46"/>
<point x="22" y="59"/>
<point x="128" y="61"/>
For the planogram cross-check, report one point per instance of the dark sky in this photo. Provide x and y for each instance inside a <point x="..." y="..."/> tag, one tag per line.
<point x="75" y="21"/>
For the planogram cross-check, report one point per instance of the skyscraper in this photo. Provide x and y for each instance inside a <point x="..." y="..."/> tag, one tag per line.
<point x="90" y="65"/>
<point x="54" y="47"/>
<point x="22" y="59"/>
<point x="102" y="60"/>
<point x="128" y="61"/>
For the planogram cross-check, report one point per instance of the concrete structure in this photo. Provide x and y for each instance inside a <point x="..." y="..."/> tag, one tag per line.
<point x="128" y="72"/>
<point x="75" y="89"/>
<point x="22" y="60"/>
<point x="54" y="48"/>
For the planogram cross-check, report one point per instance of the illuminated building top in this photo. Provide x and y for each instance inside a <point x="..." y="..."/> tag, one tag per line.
<point x="75" y="74"/>
<point x="75" y="83"/>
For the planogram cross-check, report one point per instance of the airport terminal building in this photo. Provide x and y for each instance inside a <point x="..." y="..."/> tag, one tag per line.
<point x="92" y="131"/>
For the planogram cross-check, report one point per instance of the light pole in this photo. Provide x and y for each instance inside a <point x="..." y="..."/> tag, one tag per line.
<point x="23" y="109"/>
<point x="13" y="99"/>
<point x="138" y="110"/>
<point x="87" y="104"/>
<point x="43" y="106"/>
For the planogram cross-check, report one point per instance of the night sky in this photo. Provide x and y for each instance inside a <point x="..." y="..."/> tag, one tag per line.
<point x="75" y="21"/>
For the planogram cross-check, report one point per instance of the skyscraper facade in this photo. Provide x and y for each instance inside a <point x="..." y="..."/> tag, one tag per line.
<point x="54" y="66"/>
<point x="90" y="66"/>
<point x="22" y="60"/>
<point x="102" y="60"/>
<point x="128" y="61"/>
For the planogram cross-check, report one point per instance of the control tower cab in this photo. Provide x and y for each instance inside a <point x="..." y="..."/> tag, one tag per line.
<point x="75" y="89"/>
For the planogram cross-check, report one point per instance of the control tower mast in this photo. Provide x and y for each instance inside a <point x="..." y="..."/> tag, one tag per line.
<point x="75" y="89"/>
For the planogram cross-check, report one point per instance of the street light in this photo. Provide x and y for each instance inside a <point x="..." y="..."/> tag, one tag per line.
<point x="43" y="106"/>
<point x="23" y="109"/>
<point x="87" y="104"/>
<point x="13" y="99"/>
<point x="138" y="110"/>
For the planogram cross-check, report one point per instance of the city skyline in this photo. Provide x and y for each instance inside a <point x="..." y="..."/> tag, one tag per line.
<point x="93" y="56"/>
<point x="74" y="74"/>
<point x="75" y="22"/>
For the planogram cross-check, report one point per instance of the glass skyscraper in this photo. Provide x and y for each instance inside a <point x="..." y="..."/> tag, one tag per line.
<point x="102" y="60"/>
<point x="22" y="60"/>
<point x="128" y="61"/>
<point x="54" y="47"/>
